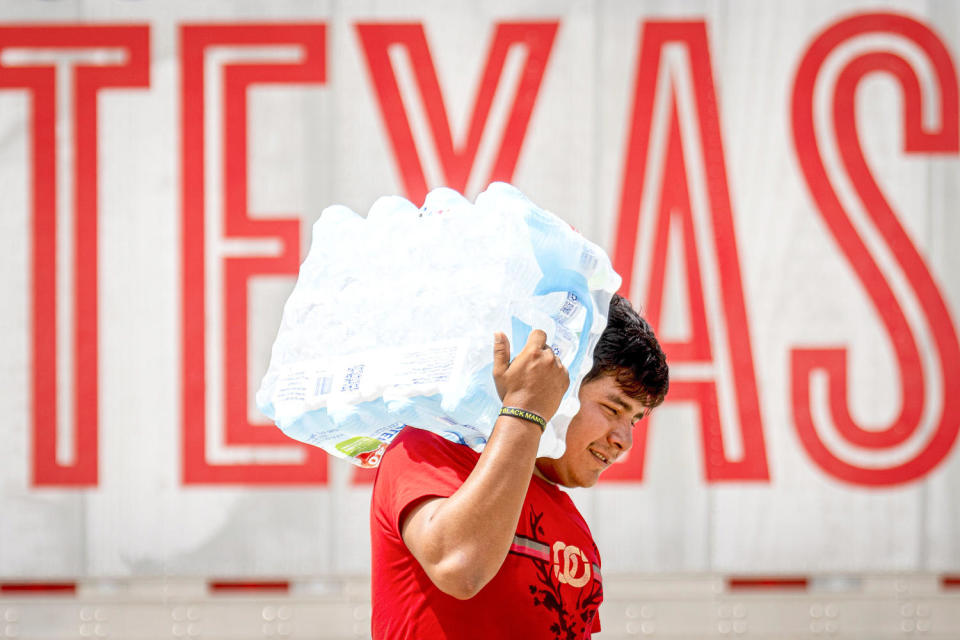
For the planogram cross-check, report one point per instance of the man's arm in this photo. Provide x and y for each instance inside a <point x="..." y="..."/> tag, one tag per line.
<point x="462" y="541"/>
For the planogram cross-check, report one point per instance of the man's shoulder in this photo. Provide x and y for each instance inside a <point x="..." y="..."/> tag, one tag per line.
<point x="417" y="464"/>
<point x="411" y="436"/>
<point x="421" y="454"/>
<point x="420" y="444"/>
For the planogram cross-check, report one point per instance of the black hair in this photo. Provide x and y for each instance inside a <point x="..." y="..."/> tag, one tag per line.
<point x="629" y="350"/>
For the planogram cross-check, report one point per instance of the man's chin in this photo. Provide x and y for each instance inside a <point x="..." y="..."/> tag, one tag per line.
<point x="585" y="480"/>
<point x="568" y="478"/>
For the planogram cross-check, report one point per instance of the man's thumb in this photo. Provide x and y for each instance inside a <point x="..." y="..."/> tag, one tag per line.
<point x="501" y="353"/>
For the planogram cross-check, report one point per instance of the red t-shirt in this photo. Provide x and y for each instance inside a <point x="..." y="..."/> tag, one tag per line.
<point x="548" y="587"/>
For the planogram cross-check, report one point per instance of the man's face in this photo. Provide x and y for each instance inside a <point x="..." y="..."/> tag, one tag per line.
<point x="600" y="433"/>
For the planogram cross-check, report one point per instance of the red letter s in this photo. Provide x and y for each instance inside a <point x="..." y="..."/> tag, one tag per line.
<point x="881" y="218"/>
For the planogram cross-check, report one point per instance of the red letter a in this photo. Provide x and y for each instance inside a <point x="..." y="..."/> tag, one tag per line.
<point x="713" y="367"/>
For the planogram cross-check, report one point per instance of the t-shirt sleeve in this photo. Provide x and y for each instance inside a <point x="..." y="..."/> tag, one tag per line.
<point x="417" y="465"/>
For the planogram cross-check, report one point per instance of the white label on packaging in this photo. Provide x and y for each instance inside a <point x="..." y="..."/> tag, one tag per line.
<point x="301" y="387"/>
<point x="414" y="370"/>
<point x="351" y="379"/>
<point x="571" y="306"/>
<point x="564" y="344"/>
<point x="424" y="366"/>
<point x="292" y="386"/>
<point x="588" y="261"/>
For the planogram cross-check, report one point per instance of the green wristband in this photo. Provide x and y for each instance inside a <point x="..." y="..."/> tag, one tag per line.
<point x="523" y="414"/>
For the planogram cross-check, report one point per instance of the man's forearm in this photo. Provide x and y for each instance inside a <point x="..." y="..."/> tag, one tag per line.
<point x="478" y="522"/>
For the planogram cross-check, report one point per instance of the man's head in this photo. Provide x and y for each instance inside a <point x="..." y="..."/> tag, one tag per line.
<point x="629" y="378"/>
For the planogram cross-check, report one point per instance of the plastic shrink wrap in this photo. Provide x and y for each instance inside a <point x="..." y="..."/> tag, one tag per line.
<point x="392" y="318"/>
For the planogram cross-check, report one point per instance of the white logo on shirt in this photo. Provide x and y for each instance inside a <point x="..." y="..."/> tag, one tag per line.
<point x="570" y="565"/>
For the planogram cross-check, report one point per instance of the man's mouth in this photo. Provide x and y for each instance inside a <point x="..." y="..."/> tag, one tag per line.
<point x="599" y="456"/>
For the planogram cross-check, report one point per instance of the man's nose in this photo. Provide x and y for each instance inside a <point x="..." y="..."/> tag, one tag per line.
<point x="621" y="436"/>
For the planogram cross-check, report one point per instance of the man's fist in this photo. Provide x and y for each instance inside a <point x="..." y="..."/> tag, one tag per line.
<point x="535" y="380"/>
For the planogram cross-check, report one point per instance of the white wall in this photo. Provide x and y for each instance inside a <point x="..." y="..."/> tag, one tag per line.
<point x="159" y="506"/>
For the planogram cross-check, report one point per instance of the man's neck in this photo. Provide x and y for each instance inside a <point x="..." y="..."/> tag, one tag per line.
<point x="540" y="474"/>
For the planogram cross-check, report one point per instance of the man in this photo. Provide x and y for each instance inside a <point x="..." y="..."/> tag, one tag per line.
<point x="469" y="545"/>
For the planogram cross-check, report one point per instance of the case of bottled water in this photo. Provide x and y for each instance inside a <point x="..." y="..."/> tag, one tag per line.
<point x="392" y="318"/>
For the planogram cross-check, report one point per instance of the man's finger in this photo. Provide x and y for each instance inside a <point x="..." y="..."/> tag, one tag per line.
<point x="537" y="340"/>
<point x="501" y="353"/>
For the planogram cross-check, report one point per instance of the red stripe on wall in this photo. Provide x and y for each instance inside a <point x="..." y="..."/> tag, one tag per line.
<point x="222" y="586"/>
<point x="64" y="588"/>
<point x="951" y="582"/>
<point x="792" y="582"/>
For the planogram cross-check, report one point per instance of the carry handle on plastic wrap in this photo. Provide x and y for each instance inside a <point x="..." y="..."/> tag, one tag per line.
<point x="562" y="281"/>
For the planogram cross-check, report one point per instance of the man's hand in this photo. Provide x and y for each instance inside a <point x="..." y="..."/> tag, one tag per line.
<point x="535" y="380"/>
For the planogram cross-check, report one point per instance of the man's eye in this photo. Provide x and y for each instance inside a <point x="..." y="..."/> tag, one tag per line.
<point x="610" y="410"/>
